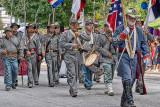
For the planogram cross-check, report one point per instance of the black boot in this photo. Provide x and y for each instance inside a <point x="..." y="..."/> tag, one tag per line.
<point x="123" y="100"/>
<point x="128" y="93"/>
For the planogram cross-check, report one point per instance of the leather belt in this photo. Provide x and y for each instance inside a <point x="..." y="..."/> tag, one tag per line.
<point x="32" y="50"/>
<point x="12" y="54"/>
<point x="50" y="50"/>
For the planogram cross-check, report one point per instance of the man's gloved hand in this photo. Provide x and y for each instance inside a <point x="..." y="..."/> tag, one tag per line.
<point x="126" y="30"/>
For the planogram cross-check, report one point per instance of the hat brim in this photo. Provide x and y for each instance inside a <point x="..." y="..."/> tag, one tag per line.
<point x="30" y="26"/>
<point x="89" y="23"/>
<point x="8" y="30"/>
<point x="134" y="16"/>
<point x="15" y="25"/>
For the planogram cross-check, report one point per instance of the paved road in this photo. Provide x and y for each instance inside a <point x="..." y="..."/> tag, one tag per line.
<point x="58" y="96"/>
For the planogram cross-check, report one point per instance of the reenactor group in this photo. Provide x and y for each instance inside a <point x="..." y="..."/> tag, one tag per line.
<point x="88" y="52"/>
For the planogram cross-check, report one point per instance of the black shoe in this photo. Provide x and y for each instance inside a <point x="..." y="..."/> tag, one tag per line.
<point x="57" y="82"/>
<point x="36" y="83"/>
<point x="97" y="80"/>
<point x="16" y="84"/>
<point x="88" y="88"/>
<point x="7" y="89"/>
<point x="14" y="87"/>
<point x="30" y="86"/>
<point x="81" y="81"/>
<point x="128" y="93"/>
<point x="74" y="94"/>
<point x="51" y="85"/>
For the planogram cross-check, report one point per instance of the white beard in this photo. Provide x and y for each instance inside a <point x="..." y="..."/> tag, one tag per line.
<point x="131" y="23"/>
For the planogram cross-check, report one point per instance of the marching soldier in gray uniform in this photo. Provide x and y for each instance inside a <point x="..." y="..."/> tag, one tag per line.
<point x="32" y="55"/>
<point x="88" y="47"/>
<point x="108" y="58"/>
<point x="20" y="36"/>
<point x="42" y="41"/>
<point x="72" y="54"/>
<point x="11" y="50"/>
<point x="59" y="58"/>
<point x="51" y="52"/>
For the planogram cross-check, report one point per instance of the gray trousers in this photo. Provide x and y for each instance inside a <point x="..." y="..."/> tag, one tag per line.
<point x="108" y="69"/>
<point x="39" y="67"/>
<point x="31" y="62"/>
<point x="73" y="68"/>
<point x="53" y="73"/>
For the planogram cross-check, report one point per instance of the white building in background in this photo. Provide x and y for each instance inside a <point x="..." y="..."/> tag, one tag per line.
<point x="6" y="19"/>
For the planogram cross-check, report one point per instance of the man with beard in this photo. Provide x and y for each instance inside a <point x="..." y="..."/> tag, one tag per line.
<point x="148" y="37"/>
<point x="32" y="55"/>
<point x="130" y="63"/>
<point x="42" y="41"/>
<point x="10" y="49"/>
<point x="108" y="57"/>
<point x="72" y="54"/>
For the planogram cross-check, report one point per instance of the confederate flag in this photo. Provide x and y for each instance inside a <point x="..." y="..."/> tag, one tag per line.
<point x="115" y="16"/>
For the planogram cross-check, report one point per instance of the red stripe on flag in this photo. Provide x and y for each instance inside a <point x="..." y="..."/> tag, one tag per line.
<point x="112" y="20"/>
<point x="83" y="2"/>
<point x="153" y="2"/>
<point x="49" y="0"/>
<point x="113" y="1"/>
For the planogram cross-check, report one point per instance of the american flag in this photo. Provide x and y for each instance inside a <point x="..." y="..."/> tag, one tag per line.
<point x="115" y="16"/>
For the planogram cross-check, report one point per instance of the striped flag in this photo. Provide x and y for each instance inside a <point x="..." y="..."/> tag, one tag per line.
<point x="153" y="11"/>
<point x="55" y="3"/>
<point x="77" y="7"/>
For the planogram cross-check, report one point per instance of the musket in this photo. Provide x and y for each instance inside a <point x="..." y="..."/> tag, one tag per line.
<point x="45" y="47"/>
<point x="11" y="12"/>
<point x="21" y="71"/>
<point x="94" y="12"/>
<point x="35" y="21"/>
<point x="25" y="37"/>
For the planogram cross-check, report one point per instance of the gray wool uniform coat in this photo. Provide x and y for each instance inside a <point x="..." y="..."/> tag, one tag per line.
<point x="32" y="42"/>
<point x="52" y="58"/>
<point x="72" y="57"/>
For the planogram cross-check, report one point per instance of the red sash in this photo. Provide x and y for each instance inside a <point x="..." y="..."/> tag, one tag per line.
<point x="137" y="71"/>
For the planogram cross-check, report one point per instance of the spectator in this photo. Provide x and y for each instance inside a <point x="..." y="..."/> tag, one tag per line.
<point x="156" y="57"/>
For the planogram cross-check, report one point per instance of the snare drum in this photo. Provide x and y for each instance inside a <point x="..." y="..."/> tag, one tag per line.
<point x="90" y="60"/>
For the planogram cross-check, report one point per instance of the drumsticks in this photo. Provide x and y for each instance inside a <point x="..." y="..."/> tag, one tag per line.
<point x="92" y="50"/>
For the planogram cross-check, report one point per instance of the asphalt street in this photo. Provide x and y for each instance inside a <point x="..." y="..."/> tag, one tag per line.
<point x="58" y="96"/>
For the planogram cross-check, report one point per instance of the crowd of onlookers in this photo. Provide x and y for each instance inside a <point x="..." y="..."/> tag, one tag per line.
<point x="154" y="65"/>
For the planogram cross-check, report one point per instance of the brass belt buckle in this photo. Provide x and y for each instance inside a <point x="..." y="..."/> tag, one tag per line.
<point x="32" y="50"/>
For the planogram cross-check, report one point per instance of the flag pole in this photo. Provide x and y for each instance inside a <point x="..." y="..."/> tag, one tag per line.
<point x="94" y="13"/>
<point x="125" y="20"/>
<point x="11" y="12"/>
<point x="104" y="15"/>
<point x="53" y="15"/>
<point x="76" y="31"/>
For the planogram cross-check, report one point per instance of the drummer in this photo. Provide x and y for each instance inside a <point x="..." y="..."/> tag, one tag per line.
<point x="87" y="48"/>
<point x="108" y="57"/>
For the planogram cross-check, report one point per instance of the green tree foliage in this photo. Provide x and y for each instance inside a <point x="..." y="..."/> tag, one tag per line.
<point x="62" y="11"/>
<point x="1" y="24"/>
